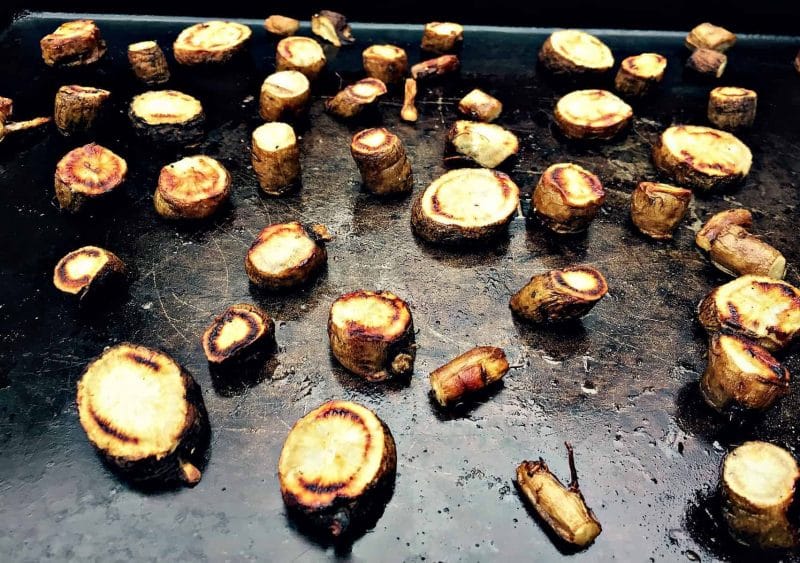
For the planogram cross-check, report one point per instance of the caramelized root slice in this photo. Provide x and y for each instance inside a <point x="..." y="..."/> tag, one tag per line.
<point x="656" y="209"/>
<point x="718" y="222"/>
<point x="192" y="188"/>
<point x="332" y="27"/>
<point x="148" y="62"/>
<point x="486" y="144"/>
<point x="73" y="43"/>
<point x="567" y="198"/>
<point x="286" y="255"/>
<point x="84" y="271"/>
<point x="6" y="108"/>
<point x="240" y="333"/>
<point x="571" y="51"/>
<point x="334" y="464"/>
<point x="559" y="295"/>
<point x="758" y="487"/>
<point x="465" y="204"/>
<point x="737" y="252"/>
<point x="281" y="25"/>
<point x="88" y="173"/>
<point x="275" y="157"/>
<point x="468" y="373"/>
<point x="439" y="66"/>
<point x="78" y="107"/>
<point x="354" y="98"/>
<point x="640" y="74"/>
<point x="372" y="334"/>
<point x="709" y="36"/>
<point x="442" y="37"/>
<point x="732" y="108"/>
<point x="382" y="162"/>
<point x="143" y="412"/>
<point x="387" y="63"/>
<point x="210" y="42"/>
<point x="409" y="111"/>
<point x="302" y="54"/>
<point x="167" y="116"/>
<point x="757" y="307"/>
<point x="284" y="94"/>
<point x="707" y="62"/>
<point x="480" y="106"/>
<point x="592" y="114"/>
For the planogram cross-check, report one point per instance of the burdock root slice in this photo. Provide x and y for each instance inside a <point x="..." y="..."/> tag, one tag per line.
<point x="332" y="27"/>
<point x="382" y="162"/>
<point x="575" y="52"/>
<point x="168" y="117"/>
<point x="88" y="272"/>
<point x="302" y="54"/>
<point x="710" y="36"/>
<point x="707" y="63"/>
<point x="281" y="25"/>
<point x="144" y="414"/>
<point x="480" y="106"/>
<point x="719" y="221"/>
<point x="639" y="75"/>
<point x="148" y="62"/>
<point x="89" y="173"/>
<point x="210" y="42"/>
<point x="387" y="63"/>
<point x="469" y="373"/>
<point x="737" y="252"/>
<point x="567" y="198"/>
<point x="559" y="295"/>
<point x="77" y="108"/>
<point x="440" y="66"/>
<point x="442" y="37"/>
<point x="73" y="43"/>
<point x="192" y="188"/>
<point x="372" y="334"/>
<point x="732" y="108"/>
<point x="337" y="468"/>
<point x="486" y="144"/>
<point x="354" y="98"/>
<point x="409" y="110"/>
<point x="275" y="157"/>
<point x="242" y="332"/>
<point x="656" y="209"/>
<point x="592" y="114"/>
<point x="284" y="95"/>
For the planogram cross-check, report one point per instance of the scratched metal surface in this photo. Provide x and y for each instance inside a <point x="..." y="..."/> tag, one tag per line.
<point x="621" y="387"/>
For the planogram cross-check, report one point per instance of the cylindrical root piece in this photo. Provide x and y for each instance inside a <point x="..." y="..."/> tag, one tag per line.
<point x="144" y="413"/>
<point x="354" y="98"/>
<point x="480" y="106"/>
<point x="16" y="126"/>
<point x="336" y="466"/>
<point x="559" y="295"/>
<point x="192" y="188"/>
<point x="442" y="37"/>
<point x="715" y="225"/>
<point x="302" y="54"/>
<point x="567" y="198"/>
<point x="89" y="271"/>
<point x="285" y="255"/>
<point x="210" y="42"/>
<point x="592" y="114"/>
<point x="167" y="116"/>
<point x="640" y="75"/>
<point x="242" y="332"/>
<point x="562" y="508"/>
<point x="709" y="36"/>
<point x="757" y="307"/>
<point x="148" y="62"/>
<point x="702" y="157"/>
<point x="741" y="373"/>
<point x="656" y="209"/>
<point x="466" y="204"/>
<point x="275" y="157"/>
<point x="439" y="66"/>
<point x="468" y="373"/>
<point x="6" y="108"/>
<point x="382" y="162"/>
<point x="387" y="63"/>
<point x="708" y="63"/>
<point x="409" y="111"/>
<point x="570" y="51"/>
<point x="88" y="173"/>
<point x="758" y="488"/>
<point x="332" y="27"/>
<point x="78" y="107"/>
<point x="486" y="144"/>
<point x="732" y="108"/>
<point x="372" y="334"/>
<point x="284" y="95"/>
<point x="73" y="43"/>
<point x="737" y="252"/>
<point x="281" y="25"/>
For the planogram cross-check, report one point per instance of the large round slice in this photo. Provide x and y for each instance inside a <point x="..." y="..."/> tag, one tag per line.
<point x="167" y="116"/>
<point x="192" y="188"/>
<point x="592" y="114"/>
<point x="210" y="42"/>
<point x="571" y="51"/>
<point x="286" y="255"/>
<point x="88" y="174"/>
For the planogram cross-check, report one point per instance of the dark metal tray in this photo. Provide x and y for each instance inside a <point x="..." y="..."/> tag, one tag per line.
<point x="621" y="387"/>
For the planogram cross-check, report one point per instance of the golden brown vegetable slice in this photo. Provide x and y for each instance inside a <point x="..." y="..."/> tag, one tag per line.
<point x="592" y="114"/>
<point x="639" y="75"/>
<point x="707" y="63"/>
<point x="387" y="63"/>
<point x="336" y="464"/>
<point x="559" y="295"/>
<point x="480" y="106"/>
<point x="758" y="487"/>
<point x="73" y="43"/>
<point x="382" y="161"/>
<point x="469" y="373"/>
<point x="710" y="36"/>
<point x="88" y="271"/>
<point x="757" y="307"/>
<point x="712" y="228"/>
<point x="167" y="116"/>
<point x="284" y="95"/>
<point x="88" y="173"/>
<point x="656" y="209"/>
<point x="192" y="188"/>
<point x="567" y="198"/>
<point x="332" y="27"/>
<point x="571" y="51"/>
<point x="732" y="108"/>
<point x="281" y="25"/>
<point x="442" y="37"/>
<point x="562" y="508"/>
<point x="242" y="332"/>
<point x="210" y="42"/>
<point x="144" y="413"/>
<point x="702" y="157"/>
<point x="737" y="252"/>
<point x="486" y="144"/>
<point x="78" y="107"/>
<point x="286" y="255"/>
<point x="465" y="205"/>
<point x="446" y="64"/>
<point x="409" y="110"/>
<point x="354" y="98"/>
<point x="302" y="54"/>
<point x="275" y="157"/>
<point x="148" y="62"/>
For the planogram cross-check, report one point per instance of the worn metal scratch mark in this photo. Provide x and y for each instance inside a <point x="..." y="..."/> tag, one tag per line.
<point x="170" y="320"/>
<point x="225" y="264"/>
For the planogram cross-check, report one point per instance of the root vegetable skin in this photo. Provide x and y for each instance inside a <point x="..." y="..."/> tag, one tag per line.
<point x="6" y="108"/>
<point x="657" y="209"/>
<point x="718" y="222"/>
<point x="409" y="111"/>
<point x="77" y="108"/>
<point x="571" y="51"/>
<point x="148" y="62"/>
<point x="281" y="25"/>
<point x="382" y="162"/>
<point x="192" y="188"/>
<point x="275" y="157"/>
<point x="302" y="54"/>
<point x="592" y="114"/>
<point x="709" y="36"/>
<point x="559" y="295"/>
<point x="354" y="98"/>
<point x="446" y="64"/>
<point x="286" y="255"/>
<point x="442" y="37"/>
<point x="567" y="198"/>
<point x="238" y="334"/>
<point x="387" y="63"/>
<point x="73" y="43"/>
<point x="640" y="75"/>
<point x="213" y="42"/>
<point x="707" y="62"/>
<point x="87" y="271"/>
<point x="732" y="108"/>
<point x="88" y="174"/>
<point x="480" y="106"/>
<point x="737" y="252"/>
<point x="284" y="95"/>
<point x="468" y="373"/>
<point x="332" y="27"/>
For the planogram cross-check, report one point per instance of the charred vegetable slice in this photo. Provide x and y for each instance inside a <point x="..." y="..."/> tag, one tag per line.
<point x="592" y="114"/>
<point x="486" y="144"/>
<point x="240" y="333"/>
<point x="88" y="173"/>
<point x="210" y="42"/>
<point x="656" y="209"/>
<point x="284" y="95"/>
<point x="446" y="64"/>
<point x="567" y="198"/>
<point x="470" y="372"/>
<point x="275" y="157"/>
<point x="571" y="51"/>
<point x="144" y="413"/>
<point x="387" y="63"/>
<point x="354" y="98"/>
<point x="167" y="116"/>
<point x="285" y="255"/>
<point x="78" y="107"/>
<point x="281" y="25"/>
<point x="710" y="36"/>
<point x="409" y="110"/>
<point x="737" y="252"/>
<point x="732" y="108"/>
<point x="192" y="188"/>
<point x="372" y="334"/>
<point x="332" y="27"/>
<point x="148" y="62"/>
<point x="707" y="63"/>
<point x="480" y="106"/>
<point x="465" y="204"/>
<point x="73" y="43"/>
<point x="302" y="54"/>
<point x="559" y="295"/>
<point x="442" y="37"/>
<point x="718" y="222"/>
<point x="335" y="463"/>
<point x="758" y="487"/>
<point x="88" y="271"/>
<point x="640" y="74"/>
<point x="382" y="162"/>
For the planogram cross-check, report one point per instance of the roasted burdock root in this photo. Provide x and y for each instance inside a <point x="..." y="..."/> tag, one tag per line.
<point x="440" y="66"/>
<point x="90" y="173"/>
<point x="17" y="126"/>
<point x="73" y="43"/>
<point x="337" y="469"/>
<point x="702" y="157"/>
<point x="281" y="25"/>
<point x="387" y="63"/>
<point x="89" y="272"/>
<point x="732" y="108"/>
<point x="559" y="295"/>
<point x="464" y="205"/>
<point x="741" y="374"/>
<point x="6" y="108"/>
<point x="567" y="198"/>
<point x="640" y="75"/>
<point x="574" y="52"/>
<point x="592" y="114"/>
<point x="382" y="162"/>
<point x="756" y="307"/>
<point x="354" y="98"/>
<point x="709" y="36"/>
<point x="210" y="42"/>
<point x="562" y="508"/>
<point x="758" y="488"/>
<point x="469" y="373"/>
<point x="715" y="225"/>
<point x="480" y="106"/>
<point x="192" y="188"/>
<point x="243" y="332"/>
<point x="275" y="157"/>
<point x="144" y="414"/>
<point x="409" y="110"/>
<point x="148" y="62"/>
<point x="332" y="27"/>
<point x="737" y="252"/>
<point x="485" y="144"/>
<point x="284" y="96"/>
<point x="656" y="209"/>
<point x="285" y="255"/>
<point x="167" y="116"/>
<point x="77" y="108"/>
<point x="707" y="63"/>
<point x="302" y="54"/>
<point x="442" y="37"/>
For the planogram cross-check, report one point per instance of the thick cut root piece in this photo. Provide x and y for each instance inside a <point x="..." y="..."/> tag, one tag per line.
<point x="74" y="43"/>
<point x="592" y="114"/>
<point x="387" y="63"/>
<point x="567" y="198"/>
<point x="354" y="98"/>
<point x="571" y="51"/>
<point x="559" y="295"/>
<point x="302" y="54"/>
<point x="77" y="108"/>
<point x="281" y="25"/>
<point x="6" y="108"/>
<point x="148" y="62"/>
<point x="275" y="156"/>
<point x="284" y="95"/>
<point x="639" y="75"/>
<point x="732" y="108"/>
<point x="382" y="162"/>
<point x="710" y="36"/>
<point x="192" y="188"/>
<point x="210" y="42"/>
<point x="332" y="27"/>
<point x="242" y="332"/>
<point x="89" y="271"/>
<point x="467" y="374"/>
<point x="409" y="110"/>
<point x="715" y="225"/>
<point x="442" y="37"/>
<point x="88" y="174"/>
<point x="167" y="116"/>
<point x="656" y="209"/>
<point x="480" y="106"/>
<point x="737" y="252"/>
<point x="707" y="63"/>
<point x="440" y="66"/>
<point x="486" y="144"/>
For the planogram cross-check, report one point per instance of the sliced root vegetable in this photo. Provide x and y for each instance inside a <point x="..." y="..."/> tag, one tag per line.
<point x="409" y="110"/>
<point x="88" y="174"/>
<point x="469" y="373"/>
<point x="592" y="114"/>
<point x="486" y="144"/>
<point x="387" y="63"/>
<point x="77" y="108"/>
<point x="6" y="108"/>
<point x="710" y="36"/>
<point x="73" y="43"/>
<point x="148" y="62"/>
<point x="440" y="66"/>
<point x="559" y="295"/>
<point x="210" y="42"/>
<point x="332" y="27"/>
<point x="241" y="333"/>
<point x="89" y="271"/>
<point x="275" y="156"/>
<point x="732" y="108"/>
<point x="167" y="116"/>
<point x="707" y="63"/>
<point x="284" y="95"/>
<point x="714" y="225"/>
<point x="480" y="106"/>
<point x="442" y="37"/>
<point x="281" y="25"/>
<point x="354" y="98"/>
<point x="192" y="188"/>
<point x="639" y="75"/>
<point x="656" y="209"/>
<point x="737" y="252"/>
<point x="571" y="51"/>
<point x="567" y="198"/>
<point x="382" y="162"/>
<point x="302" y="54"/>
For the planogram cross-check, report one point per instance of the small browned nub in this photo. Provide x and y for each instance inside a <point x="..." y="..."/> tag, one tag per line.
<point x="559" y="295"/>
<point x="468" y="373"/>
<point x="148" y="62"/>
<point x="708" y="62"/>
<point x="435" y="67"/>
<point x="709" y="36"/>
<point x="480" y="106"/>
<point x="281" y="25"/>
<point x="409" y="110"/>
<point x="302" y="54"/>
<point x="192" y="188"/>
<point x="350" y="101"/>
<point x="732" y="108"/>
<point x="236" y="332"/>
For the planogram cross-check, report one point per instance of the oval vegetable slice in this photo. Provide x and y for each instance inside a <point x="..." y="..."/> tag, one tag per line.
<point x="192" y="188"/>
<point x="240" y="333"/>
<point x="560" y="295"/>
<point x="88" y="174"/>
<point x="286" y="255"/>
<point x="87" y="271"/>
<point x="167" y="116"/>
<point x="210" y="42"/>
<point x="592" y="114"/>
<point x="571" y="51"/>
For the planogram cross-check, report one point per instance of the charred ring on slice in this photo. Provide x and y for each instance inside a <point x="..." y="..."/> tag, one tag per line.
<point x="167" y="116"/>
<point x="241" y="333"/>
<point x="559" y="295"/>
<point x="446" y="64"/>
<point x="210" y="42"/>
<point x="409" y="110"/>
<point x="732" y="108"/>
<point x="592" y="114"/>
<point x="286" y="255"/>
<point x="88" y="174"/>
<point x="148" y="62"/>
<point x="372" y="334"/>
<point x="567" y="198"/>
<point x="387" y="63"/>
<point x="570" y="51"/>
<point x="382" y="162"/>
<point x="486" y="144"/>
<point x="480" y="106"/>
<point x="332" y="27"/>
<point x="442" y="37"/>
<point x="639" y="75"/>
<point x="466" y="204"/>
<point x="144" y="414"/>
<point x="281" y="25"/>
<point x="73" y="43"/>
<point x="468" y="373"/>
<point x="737" y="252"/>
<point x="336" y="468"/>
<point x="716" y="223"/>
<point x="275" y="157"/>
<point x="89" y="271"/>
<point x="707" y="63"/>
<point x="302" y="54"/>
<point x="192" y="188"/>
<point x="284" y="95"/>
<point x="77" y="108"/>
<point x="656" y="209"/>
<point x="709" y="36"/>
<point x="352" y="100"/>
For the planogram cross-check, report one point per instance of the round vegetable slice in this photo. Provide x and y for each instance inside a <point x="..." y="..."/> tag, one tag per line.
<point x="167" y="116"/>
<point x="302" y="54"/>
<point x="592" y="114"/>
<point x="239" y="334"/>
<point x="88" y="174"/>
<point x="210" y="42"/>
<point x="284" y="94"/>
<point x="381" y="159"/>
<point x="570" y="51"/>
<point x="73" y="43"/>
<point x="88" y="271"/>
<point x="192" y="188"/>
<point x="286" y="255"/>
<point x="567" y="198"/>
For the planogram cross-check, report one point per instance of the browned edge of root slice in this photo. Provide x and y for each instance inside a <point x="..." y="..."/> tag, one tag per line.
<point x="467" y="374"/>
<point x="240" y="333"/>
<point x="657" y="209"/>
<point x="559" y="295"/>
